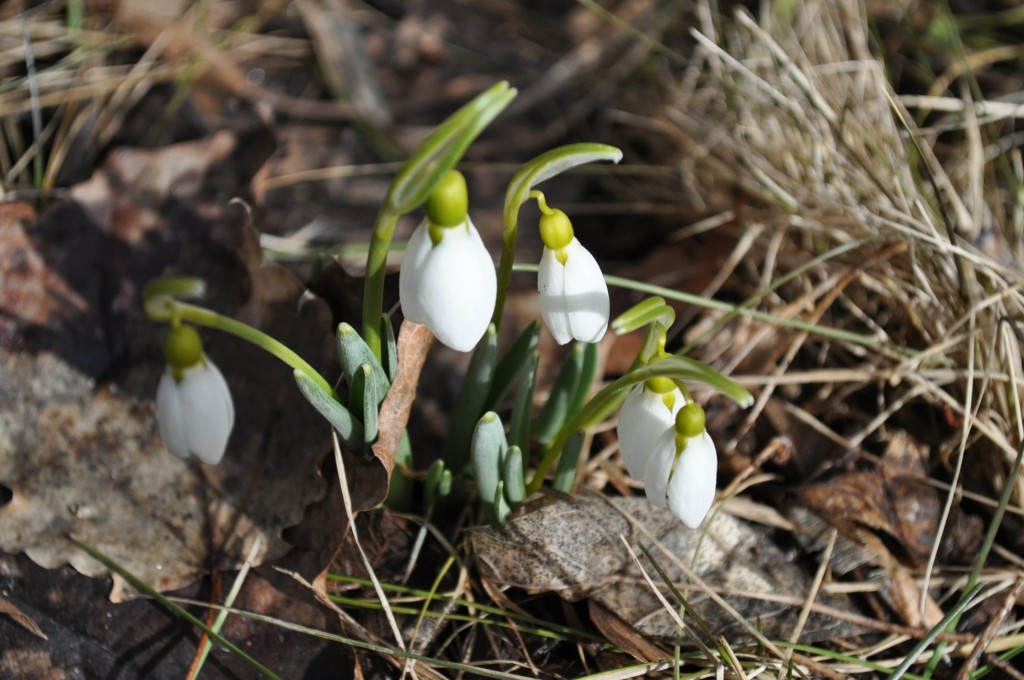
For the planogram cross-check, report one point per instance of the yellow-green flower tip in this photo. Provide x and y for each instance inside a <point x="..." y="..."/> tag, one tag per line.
<point x="690" y="421"/>
<point x="556" y="230"/>
<point x="449" y="202"/>
<point x="660" y="384"/>
<point x="183" y="348"/>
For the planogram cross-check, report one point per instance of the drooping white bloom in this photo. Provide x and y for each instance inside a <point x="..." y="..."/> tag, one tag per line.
<point x="573" y="295"/>
<point x="683" y="479"/>
<point x="665" y="444"/>
<point x="645" y="416"/>
<point x="449" y="286"/>
<point x="195" y="415"/>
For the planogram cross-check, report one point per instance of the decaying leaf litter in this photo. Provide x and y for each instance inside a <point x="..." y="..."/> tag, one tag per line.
<point x="794" y="168"/>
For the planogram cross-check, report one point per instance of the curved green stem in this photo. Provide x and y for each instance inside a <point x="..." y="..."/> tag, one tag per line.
<point x="167" y="309"/>
<point x="373" y="286"/>
<point x="609" y="398"/>
<point x="543" y="167"/>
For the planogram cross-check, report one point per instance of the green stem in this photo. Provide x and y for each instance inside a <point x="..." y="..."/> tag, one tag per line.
<point x="508" y="254"/>
<point x="888" y="348"/>
<point x="201" y="316"/>
<point x="373" y="286"/>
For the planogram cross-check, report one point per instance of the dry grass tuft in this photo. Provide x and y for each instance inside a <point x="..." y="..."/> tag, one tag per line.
<point x="904" y="254"/>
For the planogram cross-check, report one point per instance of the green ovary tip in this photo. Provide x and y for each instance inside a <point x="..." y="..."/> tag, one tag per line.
<point x="556" y="231"/>
<point x="182" y="348"/>
<point x="690" y="421"/>
<point x="449" y="202"/>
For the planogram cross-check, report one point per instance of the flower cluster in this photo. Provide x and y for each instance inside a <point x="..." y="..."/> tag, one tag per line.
<point x="448" y="282"/>
<point x="195" y="413"/>
<point x="663" y="441"/>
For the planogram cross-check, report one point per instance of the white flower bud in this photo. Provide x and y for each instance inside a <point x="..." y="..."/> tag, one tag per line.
<point x="573" y="295"/>
<point x="449" y="286"/>
<point x="195" y="415"/>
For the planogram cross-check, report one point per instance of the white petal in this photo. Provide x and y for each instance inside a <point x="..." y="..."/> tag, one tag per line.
<point x="410" y="277"/>
<point x="450" y="287"/>
<point x="586" y="294"/>
<point x="551" y="286"/>
<point x="573" y="297"/>
<point x="643" y="419"/>
<point x="195" y="416"/>
<point x="208" y="411"/>
<point x="659" y="467"/>
<point x="692" y="488"/>
<point x="169" y="418"/>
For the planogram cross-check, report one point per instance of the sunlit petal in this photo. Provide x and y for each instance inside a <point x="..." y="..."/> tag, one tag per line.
<point x="196" y="415"/>
<point x="451" y="286"/>
<point x="692" y="487"/>
<point x="586" y="294"/>
<point x="644" y="418"/>
<point x="573" y="297"/>
<point x="659" y="467"/>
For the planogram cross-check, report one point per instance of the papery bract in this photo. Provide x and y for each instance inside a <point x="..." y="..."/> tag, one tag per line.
<point x="196" y="414"/>
<point x="449" y="286"/>
<point x="573" y="296"/>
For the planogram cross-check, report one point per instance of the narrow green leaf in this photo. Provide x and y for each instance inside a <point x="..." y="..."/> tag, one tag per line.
<point x="390" y="358"/>
<point x="522" y="407"/>
<point x="488" y="449"/>
<point x="568" y="462"/>
<point x="144" y="587"/>
<point x="353" y="353"/>
<point x="588" y="371"/>
<point x="500" y="505"/>
<point x="400" y="491"/>
<point x="469" y="405"/>
<point x="556" y="411"/>
<point x="651" y="310"/>
<point x="432" y="484"/>
<point x="441" y="151"/>
<point x="365" y="376"/>
<point x="349" y="428"/>
<point x="512" y="365"/>
<point x="514" y="476"/>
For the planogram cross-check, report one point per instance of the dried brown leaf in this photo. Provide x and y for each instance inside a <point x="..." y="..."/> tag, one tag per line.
<point x="570" y="545"/>
<point x="374" y="475"/>
<point x="896" y="504"/>
<point x="79" y="451"/>
<point x="21" y="618"/>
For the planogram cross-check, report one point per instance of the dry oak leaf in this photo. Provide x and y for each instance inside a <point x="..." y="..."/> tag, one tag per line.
<point x="894" y="506"/>
<point x="571" y="545"/>
<point x="79" y="451"/>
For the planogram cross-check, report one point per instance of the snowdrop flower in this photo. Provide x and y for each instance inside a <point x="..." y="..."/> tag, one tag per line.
<point x="573" y="294"/>
<point x="681" y="468"/>
<point x="447" y="280"/>
<point x="194" y="410"/>
<point x="648" y="412"/>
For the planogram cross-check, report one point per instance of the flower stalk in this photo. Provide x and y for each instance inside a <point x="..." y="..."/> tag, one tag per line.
<point x="162" y="307"/>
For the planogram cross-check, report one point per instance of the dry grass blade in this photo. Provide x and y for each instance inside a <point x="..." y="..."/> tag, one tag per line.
<point x="21" y="618"/>
<point x="792" y="113"/>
